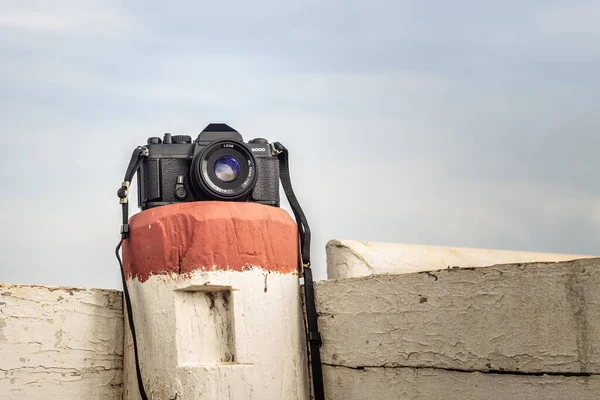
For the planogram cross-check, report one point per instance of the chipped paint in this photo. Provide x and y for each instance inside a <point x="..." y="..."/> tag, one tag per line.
<point x="227" y="338"/>
<point x="351" y="259"/>
<point x="216" y="303"/>
<point x="60" y="343"/>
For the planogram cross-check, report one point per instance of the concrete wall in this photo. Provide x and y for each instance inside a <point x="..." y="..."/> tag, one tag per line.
<point x="516" y="331"/>
<point x="60" y="343"/>
<point x="352" y="258"/>
<point x="504" y="331"/>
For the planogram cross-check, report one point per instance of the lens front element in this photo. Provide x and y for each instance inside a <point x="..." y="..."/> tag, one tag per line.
<point x="227" y="168"/>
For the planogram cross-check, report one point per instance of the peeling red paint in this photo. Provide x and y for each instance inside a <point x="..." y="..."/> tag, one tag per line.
<point x="209" y="235"/>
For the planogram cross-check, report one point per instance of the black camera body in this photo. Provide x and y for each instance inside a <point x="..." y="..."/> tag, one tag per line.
<point x="217" y="165"/>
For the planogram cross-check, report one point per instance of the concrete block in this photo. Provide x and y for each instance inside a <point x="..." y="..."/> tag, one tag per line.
<point x="438" y="384"/>
<point x="60" y="343"/>
<point x="350" y="259"/>
<point x="525" y="318"/>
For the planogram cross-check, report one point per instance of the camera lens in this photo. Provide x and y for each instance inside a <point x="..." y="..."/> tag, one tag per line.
<point x="223" y="170"/>
<point x="227" y="168"/>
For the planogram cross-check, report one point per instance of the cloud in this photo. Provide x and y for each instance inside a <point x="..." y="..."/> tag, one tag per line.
<point x="467" y="124"/>
<point x="65" y="17"/>
<point x="578" y="18"/>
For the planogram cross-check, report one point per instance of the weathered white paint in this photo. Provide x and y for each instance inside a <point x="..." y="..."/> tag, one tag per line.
<point x="219" y="335"/>
<point x="350" y="258"/>
<point x="446" y="334"/>
<point x="238" y="335"/>
<point x="438" y="384"/>
<point x="531" y="318"/>
<point x="60" y="343"/>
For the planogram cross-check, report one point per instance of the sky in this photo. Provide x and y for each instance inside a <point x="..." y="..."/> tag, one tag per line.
<point x="464" y="123"/>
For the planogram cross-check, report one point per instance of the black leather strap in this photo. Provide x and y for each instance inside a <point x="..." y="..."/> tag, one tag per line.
<point x="313" y="335"/>
<point x="123" y="193"/>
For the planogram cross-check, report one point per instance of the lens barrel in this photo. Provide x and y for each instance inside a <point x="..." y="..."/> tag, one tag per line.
<point x="224" y="170"/>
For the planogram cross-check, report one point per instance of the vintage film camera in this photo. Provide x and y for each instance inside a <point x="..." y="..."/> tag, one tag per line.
<point x="218" y="165"/>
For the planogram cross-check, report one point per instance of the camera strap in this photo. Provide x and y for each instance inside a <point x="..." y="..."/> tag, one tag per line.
<point x="312" y="335"/>
<point x="123" y="193"/>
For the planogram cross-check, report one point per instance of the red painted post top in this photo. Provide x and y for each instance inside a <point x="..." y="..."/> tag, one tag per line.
<point x="210" y="235"/>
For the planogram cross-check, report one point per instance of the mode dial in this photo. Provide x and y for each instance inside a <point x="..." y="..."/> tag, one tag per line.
<point x="182" y="139"/>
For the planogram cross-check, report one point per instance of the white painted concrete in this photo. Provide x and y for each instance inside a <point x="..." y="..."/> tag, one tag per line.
<point x="60" y="343"/>
<point x="350" y="258"/>
<point x="438" y="384"/>
<point x="448" y="334"/>
<point x="437" y="334"/>
<point x="219" y="335"/>
<point x="529" y="318"/>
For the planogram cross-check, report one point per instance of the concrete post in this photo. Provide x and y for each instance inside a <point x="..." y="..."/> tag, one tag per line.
<point x="216" y="303"/>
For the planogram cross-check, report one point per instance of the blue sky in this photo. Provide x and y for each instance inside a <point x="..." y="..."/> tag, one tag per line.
<point x="461" y="123"/>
